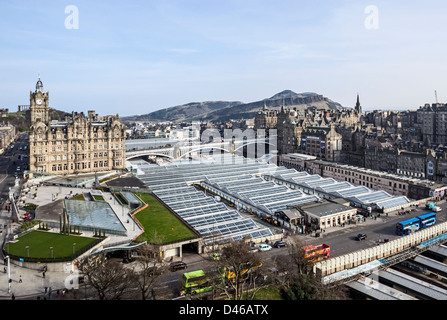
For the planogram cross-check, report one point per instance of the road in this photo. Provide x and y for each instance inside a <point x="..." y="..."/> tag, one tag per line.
<point x="343" y="241"/>
<point x="15" y="155"/>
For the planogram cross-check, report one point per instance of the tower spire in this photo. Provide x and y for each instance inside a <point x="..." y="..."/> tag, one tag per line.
<point x="39" y="85"/>
<point x="358" y="107"/>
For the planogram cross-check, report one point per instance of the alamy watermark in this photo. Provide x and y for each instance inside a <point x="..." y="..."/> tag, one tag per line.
<point x="200" y="145"/>
<point x="372" y="20"/>
<point x="72" y="20"/>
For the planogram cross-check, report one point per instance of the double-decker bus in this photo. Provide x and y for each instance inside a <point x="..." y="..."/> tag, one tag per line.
<point x="316" y="253"/>
<point x="195" y="282"/>
<point x="427" y="219"/>
<point x="414" y="224"/>
<point x="198" y="281"/>
<point x="408" y="226"/>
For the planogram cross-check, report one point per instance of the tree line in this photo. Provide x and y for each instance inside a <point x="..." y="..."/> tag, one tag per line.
<point x="246" y="272"/>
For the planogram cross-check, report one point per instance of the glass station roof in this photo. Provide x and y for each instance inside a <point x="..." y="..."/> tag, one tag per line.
<point x="212" y="219"/>
<point x="243" y="179"/>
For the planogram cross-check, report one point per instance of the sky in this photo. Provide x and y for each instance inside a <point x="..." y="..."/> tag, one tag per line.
<point x="135" y="57"/>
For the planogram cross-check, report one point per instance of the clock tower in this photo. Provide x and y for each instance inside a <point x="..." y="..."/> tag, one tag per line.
<point x="39" y="106"/>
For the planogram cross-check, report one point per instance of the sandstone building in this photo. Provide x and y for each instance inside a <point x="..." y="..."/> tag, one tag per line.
<point x="7" y="135"/>
<point x="312" y="131"/>
<point x="79" y="144"/>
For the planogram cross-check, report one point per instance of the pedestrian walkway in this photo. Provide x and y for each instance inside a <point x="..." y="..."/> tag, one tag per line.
<point x="33" y="283"/>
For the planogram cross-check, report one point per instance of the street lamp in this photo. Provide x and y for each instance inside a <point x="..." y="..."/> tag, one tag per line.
<point x="9" y="275"/>
<point x="51" y="248"/>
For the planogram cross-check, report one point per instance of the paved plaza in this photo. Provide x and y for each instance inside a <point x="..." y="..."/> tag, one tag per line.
<point x="32" y="281"/>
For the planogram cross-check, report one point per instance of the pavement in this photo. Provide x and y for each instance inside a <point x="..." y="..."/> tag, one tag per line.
<point x="32" y="283"/>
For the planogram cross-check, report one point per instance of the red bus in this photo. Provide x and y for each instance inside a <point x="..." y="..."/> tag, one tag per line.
<point x="316" y="253"/>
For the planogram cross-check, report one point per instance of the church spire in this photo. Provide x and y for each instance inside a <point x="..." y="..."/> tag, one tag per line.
<point x="358" y="107"/>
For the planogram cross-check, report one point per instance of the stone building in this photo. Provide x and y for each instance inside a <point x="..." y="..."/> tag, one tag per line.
<point x="322" y="142"/>
<point x="266" y="119"/>
<point x="7" y="135"/>
<point x="411" y="164"/>
<point x="79" y="144"/>
<point x="380" y="159"/>
<point x="294" y="124"/>
<point x="394" y="184"/>
<point x="432" y="121"/>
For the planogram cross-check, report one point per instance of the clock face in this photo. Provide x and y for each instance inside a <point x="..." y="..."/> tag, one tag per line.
<point x="39" y="101"/>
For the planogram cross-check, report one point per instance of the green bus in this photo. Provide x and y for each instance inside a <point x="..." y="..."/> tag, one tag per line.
<point x="195" y="282"/>
<point x="198" y="281"/>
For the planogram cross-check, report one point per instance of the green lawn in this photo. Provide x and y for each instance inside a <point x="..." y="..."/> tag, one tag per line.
<point x="78" y="197"/>
<point x="157" y="219"/>
<point x="39" y="243"/>
<point x="268" y="293"/>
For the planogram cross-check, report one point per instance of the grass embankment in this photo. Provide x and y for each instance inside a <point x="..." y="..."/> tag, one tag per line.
<point x="157" y="221"/>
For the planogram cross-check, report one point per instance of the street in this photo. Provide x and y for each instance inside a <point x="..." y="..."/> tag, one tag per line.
<point x="13" y="157"/>
<point x="343" y="240"/>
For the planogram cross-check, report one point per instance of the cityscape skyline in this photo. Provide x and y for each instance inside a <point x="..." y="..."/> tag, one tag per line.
<point x="139" y="57"/>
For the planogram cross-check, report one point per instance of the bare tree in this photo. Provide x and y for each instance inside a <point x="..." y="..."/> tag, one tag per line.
<point x="297" y="280"/>
<point x="149" y="267"/>
<point x="239" y="268"/>
<point x="107" y="277"/>
<point x="302" y="264"/>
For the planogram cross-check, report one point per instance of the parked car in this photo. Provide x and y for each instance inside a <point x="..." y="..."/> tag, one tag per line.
<point x="179" y="265"/>
<point x="279" y="244"/>
<point x="436" y="209"/>
<point x="265" y="247"/>
<point x="361" y="236"/>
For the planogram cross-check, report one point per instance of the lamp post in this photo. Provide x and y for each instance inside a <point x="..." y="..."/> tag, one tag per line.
<point x="27" y="251"/>
<point x="74" y="244"/>
<point x="51" y="249"/>
<point x="9" y="275"/>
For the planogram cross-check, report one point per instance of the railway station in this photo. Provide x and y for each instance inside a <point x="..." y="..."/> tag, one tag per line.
<point x="215" y="195"/>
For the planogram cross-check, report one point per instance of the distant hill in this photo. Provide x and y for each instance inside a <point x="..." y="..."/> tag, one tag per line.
<point x="182" y="112"/>
<point x="22" y="120"/>
<point x="236" y="110"/>
<point x="286" y="98"/>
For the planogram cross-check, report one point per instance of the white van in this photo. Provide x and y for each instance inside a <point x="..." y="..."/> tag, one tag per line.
<point x="436" y="209"/>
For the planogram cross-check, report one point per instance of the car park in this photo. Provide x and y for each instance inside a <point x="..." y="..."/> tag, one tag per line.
<point x="360" y="236"/>
<point x="179" y="265"/>
<point x="265" y="247"/>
